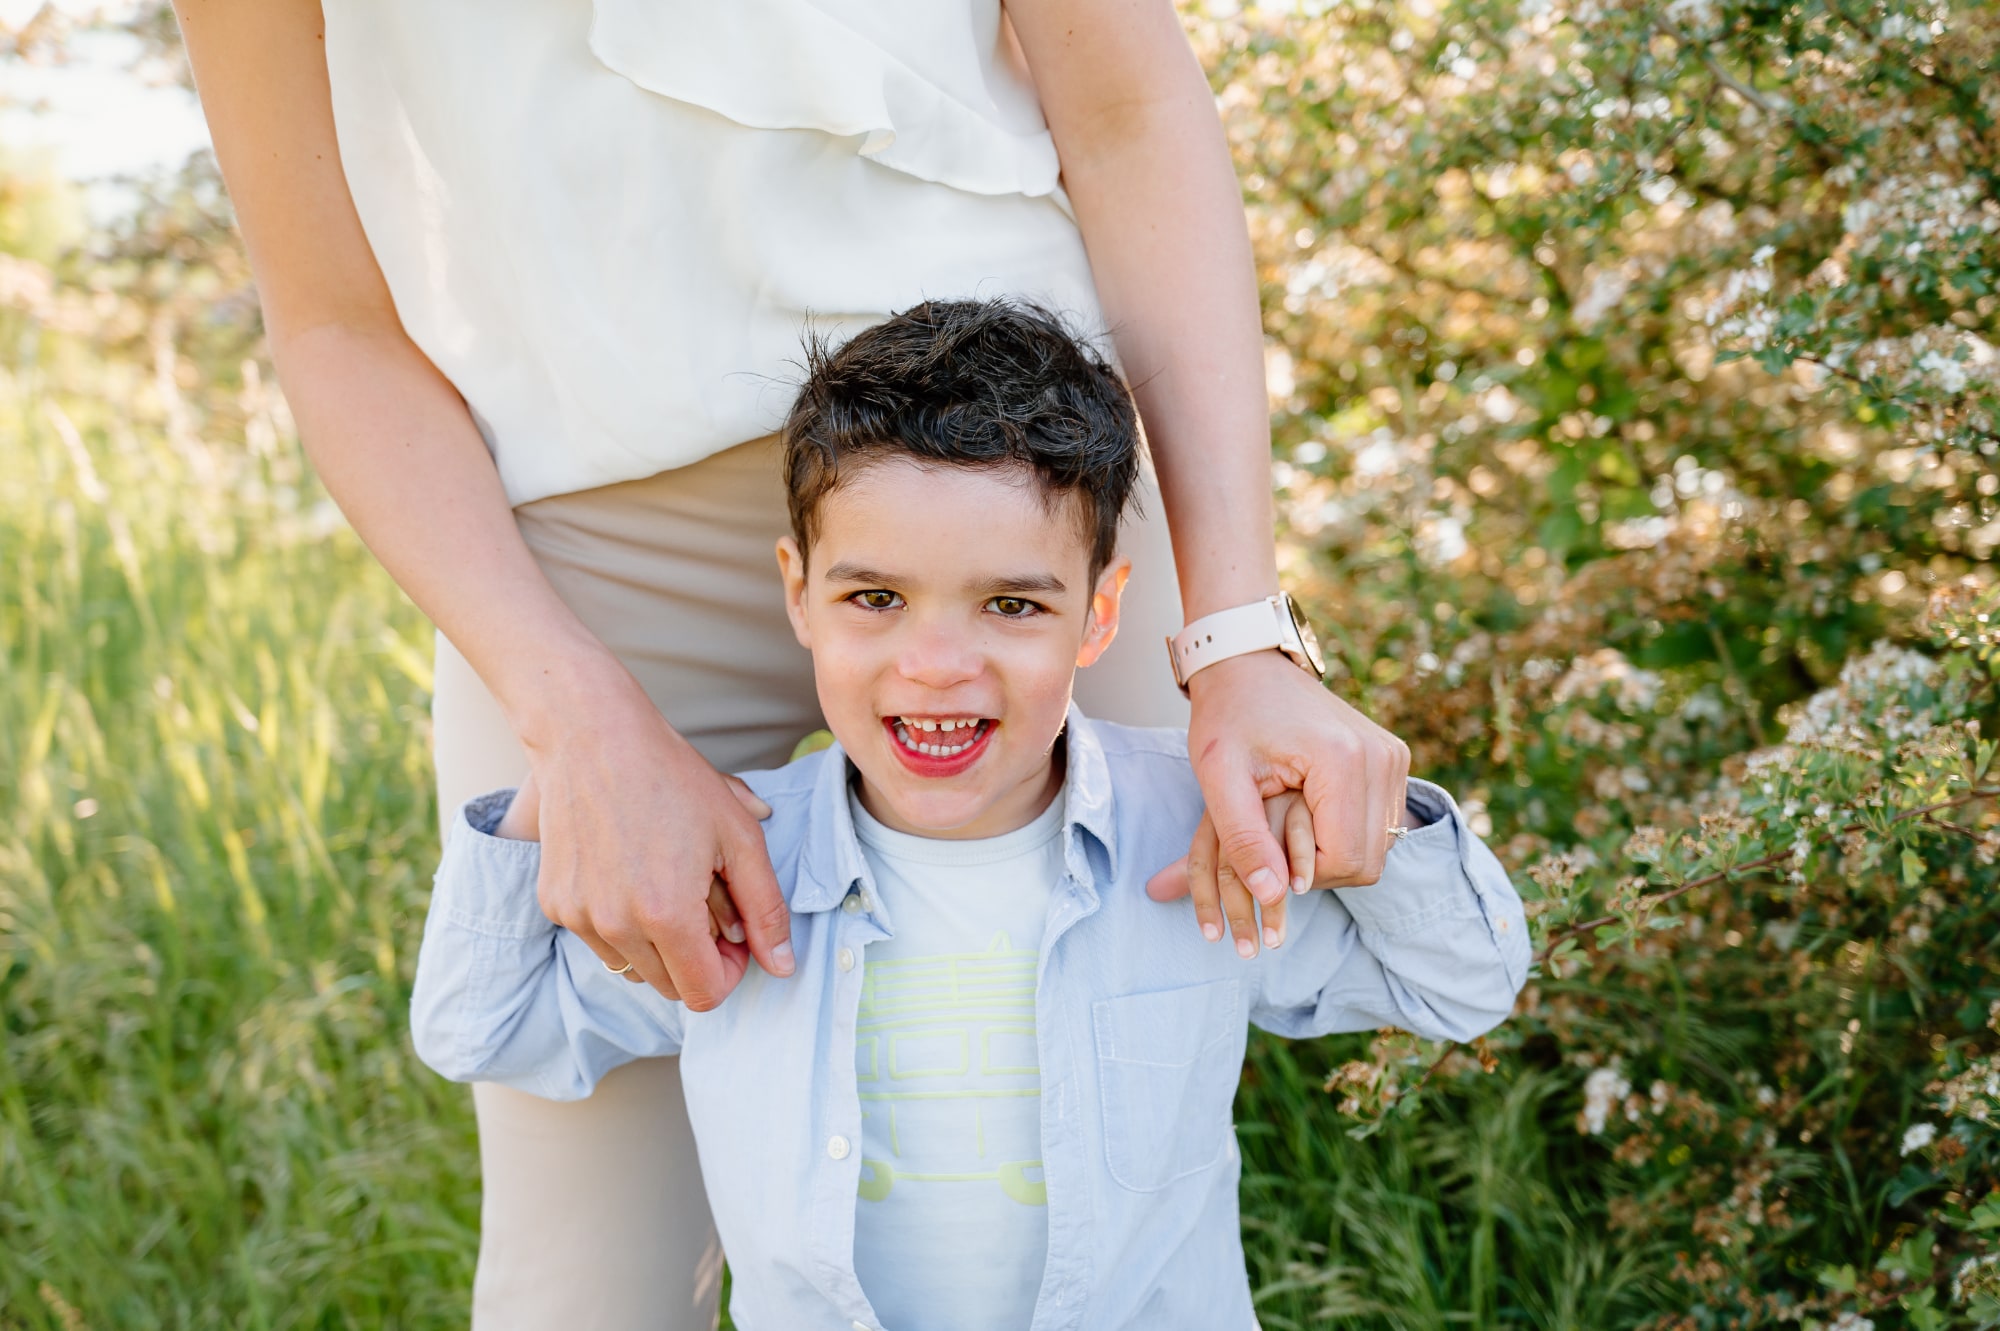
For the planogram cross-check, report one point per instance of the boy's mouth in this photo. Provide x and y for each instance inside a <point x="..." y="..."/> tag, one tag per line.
<point x="937" y="746"/>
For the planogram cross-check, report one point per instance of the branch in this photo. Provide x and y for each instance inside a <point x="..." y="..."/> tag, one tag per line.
<point x="1868" y="386"/>
<point x="1740" y="88"/>
<point x="1316" y="212"/>
<point x="1763" y="862"/>
<point x="1924" y="813"/>
<point x="1946" y="825"/>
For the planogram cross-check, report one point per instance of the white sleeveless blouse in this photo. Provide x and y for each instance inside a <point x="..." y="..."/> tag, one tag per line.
<point x="609" y="224"/>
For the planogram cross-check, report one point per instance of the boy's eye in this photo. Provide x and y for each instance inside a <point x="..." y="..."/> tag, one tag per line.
<point x="876" y="600"/>
<point x="1013" y="607"/>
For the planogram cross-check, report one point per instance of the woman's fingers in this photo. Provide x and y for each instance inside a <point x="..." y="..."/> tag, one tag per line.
<point x="753" y="890"/>
<point x="747" y="798"/>
<point x="1261" y="725"/>
<point x="1244" y="834"/>
<point x="523" y="819"/>
<point x="1291" y="824"/>
<point x="638" y="887"/>
<point x="722" y="911"/>
<point x="632" y="959"/>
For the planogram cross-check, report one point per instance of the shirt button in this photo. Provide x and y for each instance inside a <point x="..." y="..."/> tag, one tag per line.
<point x="853" y="903"/>
<point x="837" y="1147"/>
<point x="846" y="959"/>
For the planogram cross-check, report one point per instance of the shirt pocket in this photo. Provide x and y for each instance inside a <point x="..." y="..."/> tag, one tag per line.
<point x="1167" y="1065"/>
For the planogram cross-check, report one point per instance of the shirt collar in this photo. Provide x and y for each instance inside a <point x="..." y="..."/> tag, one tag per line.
<point x="830" y="860"/>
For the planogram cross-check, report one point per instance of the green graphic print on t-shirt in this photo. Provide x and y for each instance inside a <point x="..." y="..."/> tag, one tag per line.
<point x="950" y="1082"/>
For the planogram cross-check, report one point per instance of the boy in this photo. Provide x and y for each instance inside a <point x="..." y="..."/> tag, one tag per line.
<point x="996" y="1091"/>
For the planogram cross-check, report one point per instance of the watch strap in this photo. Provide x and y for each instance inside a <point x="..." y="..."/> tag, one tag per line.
<point x="1256" y="627"/>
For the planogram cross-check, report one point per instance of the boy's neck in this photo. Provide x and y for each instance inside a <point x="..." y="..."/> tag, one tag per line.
<point x="1012" y="812"/>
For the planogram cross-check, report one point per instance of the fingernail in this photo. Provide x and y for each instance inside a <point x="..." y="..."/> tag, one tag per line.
<point x="1272" y="937"/>
<point x="1211" y="931"/>
<point x="1263" y="884"/>
<point x="1245" y="948"/>
<point x="781" y="957"/>
<point x="1298" y="886"/>
<point x="734" y="933"/>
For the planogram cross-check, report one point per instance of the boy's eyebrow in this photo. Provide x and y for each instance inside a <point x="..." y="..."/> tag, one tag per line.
<point x="846" y="572"/>
<point x="1046" y="583"/>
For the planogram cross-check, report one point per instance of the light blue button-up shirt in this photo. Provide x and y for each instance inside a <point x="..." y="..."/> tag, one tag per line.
<point x="1140" y="1024"/>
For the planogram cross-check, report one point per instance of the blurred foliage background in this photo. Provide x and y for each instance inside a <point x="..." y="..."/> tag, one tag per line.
<point x="1636" y="404"/>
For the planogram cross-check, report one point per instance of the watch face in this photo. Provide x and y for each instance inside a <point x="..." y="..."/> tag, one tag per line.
<point x="1306" y="637"/>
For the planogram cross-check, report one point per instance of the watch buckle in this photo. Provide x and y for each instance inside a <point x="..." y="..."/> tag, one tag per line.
<point x="1174" y="663"/>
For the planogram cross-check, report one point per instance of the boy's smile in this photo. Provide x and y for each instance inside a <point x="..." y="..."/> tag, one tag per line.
<point x="947" y="608"/>
<point x="964" y="740"/>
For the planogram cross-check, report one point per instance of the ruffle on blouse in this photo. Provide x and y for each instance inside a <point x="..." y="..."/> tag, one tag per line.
<point x="932" y="88"/>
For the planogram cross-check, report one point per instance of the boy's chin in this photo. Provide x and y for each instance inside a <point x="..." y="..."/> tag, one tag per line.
<point x="932" y="813"/>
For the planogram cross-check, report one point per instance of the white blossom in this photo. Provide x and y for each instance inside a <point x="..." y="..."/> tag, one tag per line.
<point x="1607" y="671"/>
<point x="1949" y="376"/>
<point x="1698" y="14"/>
<point x="1602" y="1090"/>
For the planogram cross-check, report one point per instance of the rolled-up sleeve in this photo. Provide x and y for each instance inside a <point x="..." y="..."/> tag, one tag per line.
<point x="502" y="994"/>
<point x="1439" y="946"/>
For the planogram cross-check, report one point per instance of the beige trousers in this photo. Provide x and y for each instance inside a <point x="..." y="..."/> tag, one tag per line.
<point x="593" y="1214"/>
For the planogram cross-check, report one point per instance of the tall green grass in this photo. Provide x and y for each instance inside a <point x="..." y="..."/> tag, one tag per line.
<point x="1452" y="1220"/>
<point x="214" y="848"/>
<point x="215" y="839"/>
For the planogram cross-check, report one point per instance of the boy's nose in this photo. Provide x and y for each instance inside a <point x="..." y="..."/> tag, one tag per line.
<point x="939" y="657"/>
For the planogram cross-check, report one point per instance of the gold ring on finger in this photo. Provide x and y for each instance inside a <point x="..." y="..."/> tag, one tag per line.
<point x="1399" y="832"/>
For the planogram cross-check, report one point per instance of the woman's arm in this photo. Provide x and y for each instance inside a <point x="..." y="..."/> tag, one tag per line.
<point x="398" y="451"/>
<point x="1147" y="168"/>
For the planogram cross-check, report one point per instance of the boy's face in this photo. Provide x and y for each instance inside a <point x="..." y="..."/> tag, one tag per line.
<point x="949" y="596"/>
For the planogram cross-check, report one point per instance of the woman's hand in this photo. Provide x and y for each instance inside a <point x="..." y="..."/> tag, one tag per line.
<point x="522" y="822"/>
<point x="1221" y="903"/>
<point x="650" y="855"/>
<point x="1262" y="726"/>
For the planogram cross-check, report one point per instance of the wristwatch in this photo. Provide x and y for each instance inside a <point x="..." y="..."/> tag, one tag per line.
<point x="1259" y="626"/>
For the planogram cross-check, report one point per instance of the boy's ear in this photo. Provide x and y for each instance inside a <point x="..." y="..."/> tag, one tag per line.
<point x="1104" y="610"/>
<point x="792" y="568"/>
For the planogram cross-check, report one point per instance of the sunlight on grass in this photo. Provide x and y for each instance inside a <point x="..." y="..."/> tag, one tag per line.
<point x="214" y="848"/>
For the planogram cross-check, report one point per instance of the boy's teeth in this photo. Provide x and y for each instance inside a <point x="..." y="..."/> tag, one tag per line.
<point x="906" y="725"/>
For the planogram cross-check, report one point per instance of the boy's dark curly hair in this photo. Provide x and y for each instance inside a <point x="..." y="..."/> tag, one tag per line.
<point x="980" y="383"/>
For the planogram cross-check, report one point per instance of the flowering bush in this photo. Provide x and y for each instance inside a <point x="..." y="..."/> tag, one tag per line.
<point x="1635" y="396"/>
<point x="1637" y="401"/>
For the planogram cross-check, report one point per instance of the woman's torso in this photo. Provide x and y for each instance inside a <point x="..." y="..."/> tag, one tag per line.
<point x="609" y="224"/>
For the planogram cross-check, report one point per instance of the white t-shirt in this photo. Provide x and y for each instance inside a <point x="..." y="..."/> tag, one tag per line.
<point x="951" y="1227"/>
<point x="608" y="221"/>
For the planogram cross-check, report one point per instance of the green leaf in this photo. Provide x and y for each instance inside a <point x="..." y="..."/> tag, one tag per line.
<point x="1922" y="1308"/>
<point x="1839" y="1278"/>
<point x="1986" y="1215"/>
<point x="1912" y="1256"/>
<point x="1913" y="867"/>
